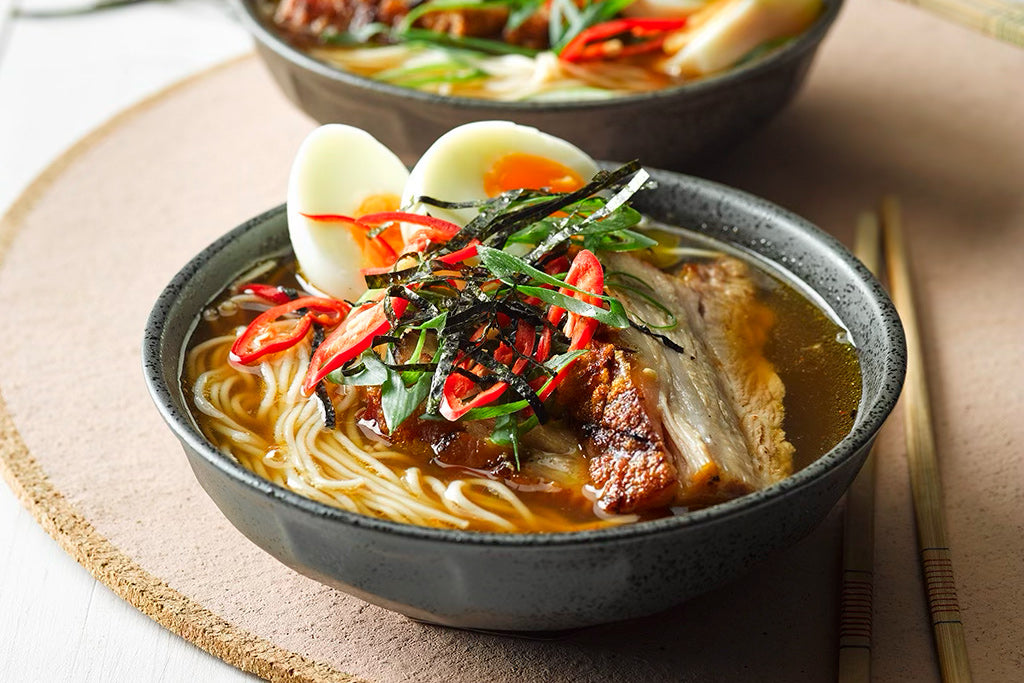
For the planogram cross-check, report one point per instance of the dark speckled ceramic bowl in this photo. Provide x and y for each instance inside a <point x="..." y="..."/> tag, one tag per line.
<point x="544" y="581"/>
<point x="673" y="128"/>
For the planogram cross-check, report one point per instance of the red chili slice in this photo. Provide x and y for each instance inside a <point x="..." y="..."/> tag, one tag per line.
<point x="460" y="254"/>
<point x="452" y="407"/>
<point x="433" y="230"/>
<point x="596" y="42"/>
<point x="543" y="346"/>
<point x="271" y="293"/>
<point x="523" y="345"/>
<point x="329" y="217"/>
<point x="262" y="336"/>
<point x="556" y="265"/>
<point x="587" y="274"/>
<point x="545" y="389"/>
<point x="353" y="336"/>
<point x="454" y="403"/>
<point x="452" y="258"/>
<point x="377" y="250"/>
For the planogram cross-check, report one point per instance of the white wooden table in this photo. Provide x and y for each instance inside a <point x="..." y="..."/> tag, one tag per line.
<point x="59" y="79"/>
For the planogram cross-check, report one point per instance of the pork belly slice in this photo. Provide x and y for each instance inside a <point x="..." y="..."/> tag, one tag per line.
<point x="458" y="444"/>
<point x="314" y="16"/>
<point x="691" y="417"/>
<point x="609" y="397"/>
<point x="467" y="445"/>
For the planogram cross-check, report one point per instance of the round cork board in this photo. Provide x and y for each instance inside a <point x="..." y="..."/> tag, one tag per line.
<point x="104" y="229"/>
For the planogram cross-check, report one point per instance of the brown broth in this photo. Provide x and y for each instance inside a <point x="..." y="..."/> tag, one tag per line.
<point x="809" y="349"/>
<point x="812" y="354"/>
<point x="587" y="79"/>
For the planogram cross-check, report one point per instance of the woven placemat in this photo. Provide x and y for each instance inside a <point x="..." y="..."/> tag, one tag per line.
<point x="88" y="248"/>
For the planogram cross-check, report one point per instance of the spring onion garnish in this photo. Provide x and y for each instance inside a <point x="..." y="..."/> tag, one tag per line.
<point x="617" y="279"/>
<point x="481" y="322"/>
<point x="481" y="45"/>
<point x="450" y="71"/>
<point x="568" y="20"/>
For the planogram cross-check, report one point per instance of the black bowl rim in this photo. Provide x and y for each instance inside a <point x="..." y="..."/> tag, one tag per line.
<point x="794" y="50"/>
<point x="860" y="436"/>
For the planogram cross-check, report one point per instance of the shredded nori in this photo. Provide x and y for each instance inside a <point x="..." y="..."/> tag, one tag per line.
<point x="327" y="413"/>
<point x="515" y="382"/>
<point x="481" y="313"/>
<point x="446" y="361"/>
<point x="660" y="337"/>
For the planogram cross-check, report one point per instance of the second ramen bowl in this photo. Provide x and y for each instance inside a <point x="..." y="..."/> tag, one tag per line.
<point x="673" y="128"/>
<point x="558" y="580"/>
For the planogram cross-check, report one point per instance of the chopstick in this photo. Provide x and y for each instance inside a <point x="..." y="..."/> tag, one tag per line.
<point x="1001" y="19"/>
<point x="925" y="484"/>
<point x="855" y="606"/>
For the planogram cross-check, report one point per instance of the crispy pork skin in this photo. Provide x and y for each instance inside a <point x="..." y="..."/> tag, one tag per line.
<point x="457" y="444"/>
<point x="689" y="414"/>
<point x="606" y="395"/>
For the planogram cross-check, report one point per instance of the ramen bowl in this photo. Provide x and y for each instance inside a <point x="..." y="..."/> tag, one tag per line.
<point x="673" y="128"/>
<point x="560" y="580"/>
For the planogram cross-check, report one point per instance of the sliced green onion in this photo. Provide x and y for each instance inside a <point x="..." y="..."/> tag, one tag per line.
<point x="361" y="35"/>
<point x="432" y="6"/>
<point x="485" y="45"/>
<point x="520" y="12"/>
<point x="453" y="71"/>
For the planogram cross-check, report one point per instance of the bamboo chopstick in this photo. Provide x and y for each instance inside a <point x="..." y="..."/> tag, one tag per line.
<point x="855" y="606"/>
<point x="1001" y="19"/>
<point x="925" y="483"/>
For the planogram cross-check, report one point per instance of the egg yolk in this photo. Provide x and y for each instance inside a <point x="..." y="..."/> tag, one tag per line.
<point x="519" y="171"/>
<point x="378" y="203"/>
<point x="383" y="249"/>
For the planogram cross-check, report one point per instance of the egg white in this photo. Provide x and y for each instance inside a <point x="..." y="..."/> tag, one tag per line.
<point x="335" y="170"/>
<point x="453" y="168"/>
<point x="736" y="28"/>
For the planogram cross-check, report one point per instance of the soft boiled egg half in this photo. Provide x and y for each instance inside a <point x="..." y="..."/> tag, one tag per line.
<point x="483" y="159"/>
<point x="339" y="173"/>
